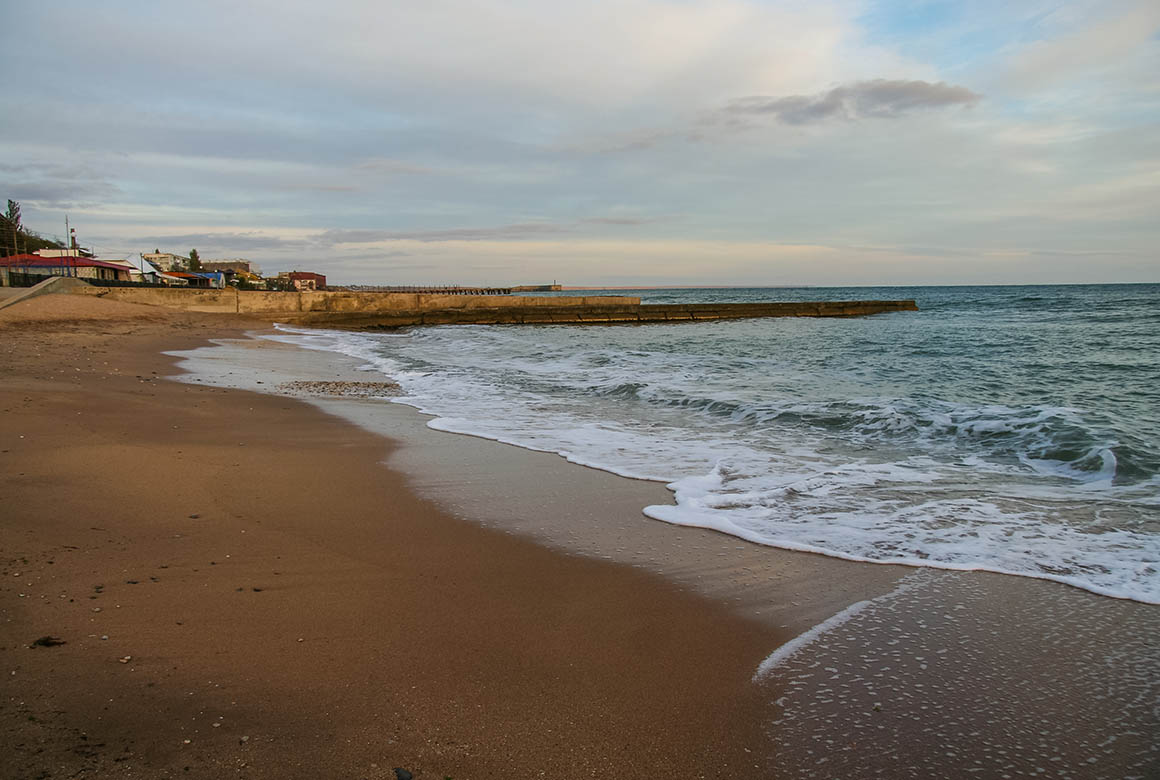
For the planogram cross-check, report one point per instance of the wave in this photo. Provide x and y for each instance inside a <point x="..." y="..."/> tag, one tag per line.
<point x="1062" y="441"/>
<point x="1043" y="490"/>
<point x="964" y="532"/>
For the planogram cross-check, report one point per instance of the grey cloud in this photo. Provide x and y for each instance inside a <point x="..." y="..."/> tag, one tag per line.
<point x="61" y="195"/>
<point x="1081" y="252"/>
<point x="306" y="187"/>
<point x="55" y="185"/>
<point x="875" y="99"/>
<point x="379" y="255"/>
<point x="414" y="266"/>
<point x="78" y="171"/>
<point x="228" y="242"/>
<point x="636" y="142"/>
<point x="924" y="251"/>
<point x="620" y="221"/>
<point x="975" y="252"/>
<point x="515" y="232"/>
<point x="391" y="166"/>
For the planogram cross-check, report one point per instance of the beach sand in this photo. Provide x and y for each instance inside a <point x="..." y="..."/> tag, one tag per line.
<point x="278" y="604"/>
<point x="344" y="599"/>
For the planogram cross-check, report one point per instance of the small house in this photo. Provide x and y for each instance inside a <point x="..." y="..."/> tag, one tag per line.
<point x="68" y="265"/>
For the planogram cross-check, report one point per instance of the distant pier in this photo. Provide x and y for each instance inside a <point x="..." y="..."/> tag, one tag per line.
<point x="449" y="289"/>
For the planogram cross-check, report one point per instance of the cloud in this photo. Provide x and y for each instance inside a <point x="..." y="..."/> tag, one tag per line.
<point x="620" y="221"/>
<point x="515" y="232"/>
<point x="636" y="140"/>
<point x="1090" y="44"/>
<point x="230" y="242"/>
<point x="877" y="99"/>
<point x="61" y="194"/>
<point x="471" y="133"/>
<point x="311" y="187"/>
<point x="394" y="167"/>
<point x="55" y="185"/>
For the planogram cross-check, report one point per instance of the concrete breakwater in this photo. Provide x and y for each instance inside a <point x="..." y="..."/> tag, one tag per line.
<point x="612" y="313"/>
<point x="391" y="310"/>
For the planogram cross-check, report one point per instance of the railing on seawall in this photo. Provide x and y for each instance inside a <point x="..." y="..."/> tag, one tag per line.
<point x="449" y="289"/>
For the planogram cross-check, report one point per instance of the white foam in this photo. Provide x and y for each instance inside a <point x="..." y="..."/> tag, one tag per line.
<point x="886" y="480"/>
<point x="806" y="638"/>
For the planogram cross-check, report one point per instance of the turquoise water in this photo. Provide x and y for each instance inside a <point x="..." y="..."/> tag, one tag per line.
<point x="1012" y="429"/>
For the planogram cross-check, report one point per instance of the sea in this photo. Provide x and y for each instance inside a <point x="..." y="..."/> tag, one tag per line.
<point x="1011" y="429"/>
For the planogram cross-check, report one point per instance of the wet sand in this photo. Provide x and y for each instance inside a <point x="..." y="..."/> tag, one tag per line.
<point x="278" y="604"/>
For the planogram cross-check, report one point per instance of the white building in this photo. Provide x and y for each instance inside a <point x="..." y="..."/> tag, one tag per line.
<point x="138" y="272"/>
<point x="164" y="261"/>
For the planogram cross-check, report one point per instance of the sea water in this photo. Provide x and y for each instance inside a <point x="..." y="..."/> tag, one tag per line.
<point x="1009" y="429"/>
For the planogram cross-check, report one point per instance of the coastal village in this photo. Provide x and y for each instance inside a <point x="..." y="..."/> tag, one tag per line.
<point x="159" y="269"/>
<point x="236" y="286"/>
<point x="27" y="258"/>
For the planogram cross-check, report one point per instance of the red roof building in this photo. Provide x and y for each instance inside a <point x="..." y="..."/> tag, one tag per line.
<point x="81" y="267"/>
<point x="305" y="280"/>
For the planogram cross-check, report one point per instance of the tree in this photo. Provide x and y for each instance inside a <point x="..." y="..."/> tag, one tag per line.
<point x="13" y="214"/>
<point x="12" y="217"/>
<point x="194" y="260"/>
<point x="16" y="239"/>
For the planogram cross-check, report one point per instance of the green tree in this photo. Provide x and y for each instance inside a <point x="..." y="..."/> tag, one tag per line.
<point x="13" y="227"/>
<point x="13" y="214"/>
<point x="194" y="260"/>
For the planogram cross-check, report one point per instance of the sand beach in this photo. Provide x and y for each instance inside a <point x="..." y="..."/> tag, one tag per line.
<point x="304" y="584"/>
<point x="242" y="588"/>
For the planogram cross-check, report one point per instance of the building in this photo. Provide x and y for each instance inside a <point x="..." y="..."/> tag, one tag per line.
<point x="217" y="279"/>
<point x="172" y="279"/>
<point x="205" y="281"/>
<point x="75" y="266"/>
<point x="236" y="266"/>
<point x="78" y="252"/>
<point x="305" y="280"/>
<point x="164" y="261"/>
<point x="145" y="274"/>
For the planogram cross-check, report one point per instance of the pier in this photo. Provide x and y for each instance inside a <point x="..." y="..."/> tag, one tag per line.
<point x="374" y="310"/>
<point x="450" y="289"/>
<point x="603" y="312"/>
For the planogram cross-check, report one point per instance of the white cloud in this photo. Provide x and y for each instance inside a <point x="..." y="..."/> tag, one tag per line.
<point x="462" y="130"/>
<point x="1088" y="42"/>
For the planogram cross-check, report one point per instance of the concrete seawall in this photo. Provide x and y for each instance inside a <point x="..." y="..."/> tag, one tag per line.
<point x="391" y="310"/>
<point x="579" y="314"/>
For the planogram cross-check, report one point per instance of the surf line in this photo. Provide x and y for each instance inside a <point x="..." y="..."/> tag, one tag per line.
<point x="911" y="581"/>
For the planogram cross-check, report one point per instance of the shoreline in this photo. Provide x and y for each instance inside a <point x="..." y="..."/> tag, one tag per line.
<point x="284" y="603"/>
<point x="570" y="507"/>
<point x="995" y="632"/>
<point x="937" y="668"/>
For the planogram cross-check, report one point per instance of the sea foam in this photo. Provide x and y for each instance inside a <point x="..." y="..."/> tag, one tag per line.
<point x="798" y="435"/>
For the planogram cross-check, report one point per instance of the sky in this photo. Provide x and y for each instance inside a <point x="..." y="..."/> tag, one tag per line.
<point x="615" y="142"/>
